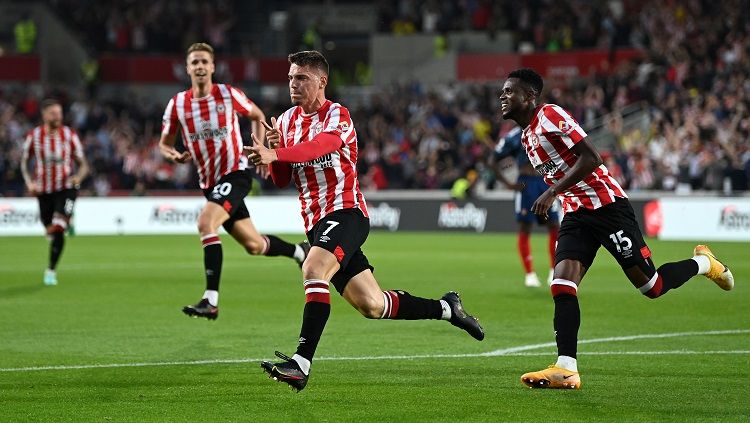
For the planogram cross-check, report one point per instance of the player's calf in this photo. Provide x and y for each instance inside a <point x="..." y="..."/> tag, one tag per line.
<point x="400" y="305"/>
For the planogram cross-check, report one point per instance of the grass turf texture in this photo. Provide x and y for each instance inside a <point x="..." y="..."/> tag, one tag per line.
<point x="119" y="301"/>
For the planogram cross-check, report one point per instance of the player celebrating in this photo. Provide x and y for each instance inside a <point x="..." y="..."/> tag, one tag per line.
<point x="54" y="148"/>
<point x="316" y="145"/>
<point x="207" y="113"/>
<point x="597" y="213"/>
<point x="529" y="186"/>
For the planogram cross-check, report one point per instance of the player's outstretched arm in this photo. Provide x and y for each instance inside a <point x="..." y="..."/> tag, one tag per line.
<point x="588" y="160"/>
<point x="166" y="147"/>
<point x="322" y="144"/>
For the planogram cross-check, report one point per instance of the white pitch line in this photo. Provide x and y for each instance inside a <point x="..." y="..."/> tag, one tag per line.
<point x="506" y="351"/>
<point x="520" y="351"/>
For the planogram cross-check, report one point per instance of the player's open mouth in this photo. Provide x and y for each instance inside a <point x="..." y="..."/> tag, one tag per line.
<point x="504" y="107"/>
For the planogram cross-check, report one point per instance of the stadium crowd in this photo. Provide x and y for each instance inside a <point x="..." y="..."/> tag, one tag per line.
<point x="693" y="80"/>
<point x="154" y="26"/>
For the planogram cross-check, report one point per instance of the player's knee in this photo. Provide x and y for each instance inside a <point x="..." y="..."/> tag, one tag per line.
<point x="313" y="268"/>
<point x="205" y="226"/>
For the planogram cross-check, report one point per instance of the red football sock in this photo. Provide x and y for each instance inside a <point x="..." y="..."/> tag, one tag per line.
<point x="552" y="245"/>
<point x="524" y="249"/>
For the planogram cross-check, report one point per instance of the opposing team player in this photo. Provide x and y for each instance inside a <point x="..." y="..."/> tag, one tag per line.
<point x="529" y="186"/>
<point x="54" y="147"/>
<point x="207" y="113"/>
<point x="316" y="145"/>
<point x="597" y="213"/>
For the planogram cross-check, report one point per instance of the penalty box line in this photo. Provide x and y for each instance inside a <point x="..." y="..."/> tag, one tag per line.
<point x="520" y="351"/>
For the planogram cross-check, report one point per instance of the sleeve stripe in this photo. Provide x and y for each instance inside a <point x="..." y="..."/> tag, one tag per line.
<point x="241" y="99"/>
<point x="169" y="121"/>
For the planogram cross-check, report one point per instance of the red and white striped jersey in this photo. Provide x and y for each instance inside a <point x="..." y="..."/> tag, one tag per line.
<point x="210" y="130"/>
<point x="54" y="152"/>
<point x="330" y="182"/>
<point x="548" y="141"/>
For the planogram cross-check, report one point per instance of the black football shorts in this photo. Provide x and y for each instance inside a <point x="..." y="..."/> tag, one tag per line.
<point x="342" y="233"/>
<point x="58" y="202"/>
<point x="613" y="226"/>
<point x="230" y="192"/>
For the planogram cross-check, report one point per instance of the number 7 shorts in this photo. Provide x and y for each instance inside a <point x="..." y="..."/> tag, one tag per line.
<point x="342" y="233"/>
<point x="613" y="226"/>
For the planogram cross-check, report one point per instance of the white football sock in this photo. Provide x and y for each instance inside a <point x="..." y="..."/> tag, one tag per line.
<point x="703" y="264"/>
<point x="212" y="296"/>
<point x="567" y="363"/>
<point x="303" y="363"/>
<point x="446" y="310"/>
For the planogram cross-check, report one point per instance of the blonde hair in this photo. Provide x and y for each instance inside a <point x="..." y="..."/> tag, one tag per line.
<point x="201" y="47"/>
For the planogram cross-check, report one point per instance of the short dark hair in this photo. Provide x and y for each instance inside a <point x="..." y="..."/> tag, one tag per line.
<point x="48" y="102"/>
<point x="201" y="47"/>
<point x="529" y="77"/>
<point x="309" y="58"/>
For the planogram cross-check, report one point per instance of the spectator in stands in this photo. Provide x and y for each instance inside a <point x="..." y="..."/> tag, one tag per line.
<point x="25" y="35"/>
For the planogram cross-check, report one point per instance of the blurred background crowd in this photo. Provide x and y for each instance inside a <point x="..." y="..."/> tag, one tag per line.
<point x="691" y="80"/>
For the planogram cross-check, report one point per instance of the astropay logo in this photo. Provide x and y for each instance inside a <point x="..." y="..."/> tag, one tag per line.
<point x="734" y="219"/>
<point x="468" y="216"/>
<point x="169" y="214"/>
<point x="384" y="216"/>
<point x="9" y="216"/>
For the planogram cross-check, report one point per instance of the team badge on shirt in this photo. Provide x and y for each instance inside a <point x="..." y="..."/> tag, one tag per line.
<point x="564" y="126"/>
<point x="220" y="108"/>
<point x="318" y="128"/>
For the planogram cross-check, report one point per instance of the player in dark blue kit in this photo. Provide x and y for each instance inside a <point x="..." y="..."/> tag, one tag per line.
<point x="529" y="186"/>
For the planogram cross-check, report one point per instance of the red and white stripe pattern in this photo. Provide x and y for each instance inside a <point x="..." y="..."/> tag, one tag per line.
<point x="563" y="286"/>
<point x="53" y="151"/>
<point x="390" y="305"/>
<point x="59" y="223"/>
<point x="210" y="239"/>
<point x="330" y="182"/>
<point x="266" y="245"/>
<point x="210" y="130"/>
<point x="317" y="290"/>
<point x="653" y="287"/>
<point x="548" y="141"/>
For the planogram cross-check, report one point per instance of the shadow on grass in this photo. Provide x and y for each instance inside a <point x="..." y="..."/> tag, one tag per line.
<point x="21" y="290"/>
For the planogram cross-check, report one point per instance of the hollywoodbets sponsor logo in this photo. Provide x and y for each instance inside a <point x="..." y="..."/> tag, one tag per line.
<point x="384" y="216"/>
<point x="547" y="168"/>
<point x="9" y="216"/>
<point x="468" y="216"/>
<point x="208" y="133"/>
<point x="169" y="214"/>
<point x="733" y="219"/>
<point x="323" y="161"/>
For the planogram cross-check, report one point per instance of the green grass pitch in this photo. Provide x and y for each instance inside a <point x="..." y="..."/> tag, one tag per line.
<point x="118" y="306"/>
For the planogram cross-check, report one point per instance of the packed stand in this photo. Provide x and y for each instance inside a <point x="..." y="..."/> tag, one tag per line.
<point x="693" y="82"/>
<point x="539" y="25"/>
<point x="153" y="26"/>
